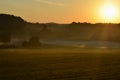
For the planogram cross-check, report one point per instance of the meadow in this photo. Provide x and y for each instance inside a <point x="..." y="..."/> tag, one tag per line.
<point x="60" y="64"/>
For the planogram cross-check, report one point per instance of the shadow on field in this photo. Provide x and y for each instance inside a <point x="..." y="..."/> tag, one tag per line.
<point x="60" y="64"/>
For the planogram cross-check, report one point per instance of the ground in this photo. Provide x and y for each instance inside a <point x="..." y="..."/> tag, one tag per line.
<point x="60" y="64"/>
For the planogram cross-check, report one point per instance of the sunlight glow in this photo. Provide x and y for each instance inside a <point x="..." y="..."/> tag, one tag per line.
<point x="109" y="13"/>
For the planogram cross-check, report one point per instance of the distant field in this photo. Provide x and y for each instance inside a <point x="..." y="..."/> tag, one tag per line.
<point x="60" y="64"/>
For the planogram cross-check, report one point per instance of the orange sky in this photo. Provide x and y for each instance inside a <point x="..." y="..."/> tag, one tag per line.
<point x="60" y="11"/>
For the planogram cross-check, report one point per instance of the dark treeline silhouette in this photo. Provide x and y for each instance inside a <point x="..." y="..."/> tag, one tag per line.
<point x="10" y="25"/>
<point x="14" y="28"/>
<point x="32" y="43"/>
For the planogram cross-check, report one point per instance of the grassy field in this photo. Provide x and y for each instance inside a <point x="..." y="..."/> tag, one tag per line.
<point x="60" y="64"/>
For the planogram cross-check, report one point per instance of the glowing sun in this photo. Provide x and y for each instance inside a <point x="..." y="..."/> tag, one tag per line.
<point x="109" y="13"/>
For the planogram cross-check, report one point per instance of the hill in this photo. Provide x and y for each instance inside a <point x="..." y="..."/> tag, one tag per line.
<point x="12" y="25"/>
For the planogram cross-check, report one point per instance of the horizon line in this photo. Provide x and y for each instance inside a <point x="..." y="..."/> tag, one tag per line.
<point x="77" y="22"/>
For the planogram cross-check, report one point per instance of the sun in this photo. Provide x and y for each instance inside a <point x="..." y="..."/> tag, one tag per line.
<point x="109" y="13"/>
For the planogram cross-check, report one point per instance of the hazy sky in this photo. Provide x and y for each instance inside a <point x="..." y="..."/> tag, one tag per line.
<point x="61" y="11"/>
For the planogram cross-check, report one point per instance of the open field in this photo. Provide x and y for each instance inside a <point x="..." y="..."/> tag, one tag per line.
<point x="60" y="64"/>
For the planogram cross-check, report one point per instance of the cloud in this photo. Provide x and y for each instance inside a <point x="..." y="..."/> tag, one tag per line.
<point x="50" y="2"/>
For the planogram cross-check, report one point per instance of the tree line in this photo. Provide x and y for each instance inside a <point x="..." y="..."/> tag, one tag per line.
<point x="11" y="26"/>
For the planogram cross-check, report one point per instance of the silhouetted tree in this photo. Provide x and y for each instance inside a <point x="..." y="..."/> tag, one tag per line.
<point x="73" y="24"/>
<point x="33" y="42"/>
